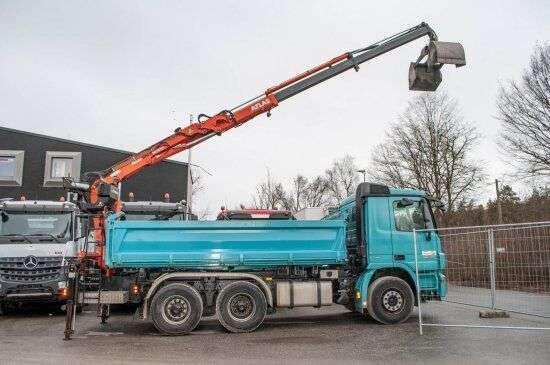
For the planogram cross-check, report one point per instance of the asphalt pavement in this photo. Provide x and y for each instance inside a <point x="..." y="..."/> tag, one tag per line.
<point x="321" y="336"/>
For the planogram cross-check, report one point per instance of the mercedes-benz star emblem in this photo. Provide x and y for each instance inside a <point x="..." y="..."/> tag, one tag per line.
<point x="30" y="262"/>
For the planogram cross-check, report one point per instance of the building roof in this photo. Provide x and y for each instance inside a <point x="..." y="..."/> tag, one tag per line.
<point x="77" y="143"/>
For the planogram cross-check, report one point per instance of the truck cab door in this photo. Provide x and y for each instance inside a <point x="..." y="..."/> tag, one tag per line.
<point x="407" y="214"/>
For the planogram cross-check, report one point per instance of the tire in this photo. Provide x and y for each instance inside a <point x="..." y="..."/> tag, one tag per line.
<point x="390" y="300"/>
<point x="241" y="307"/>
<point x="176" y="309"/>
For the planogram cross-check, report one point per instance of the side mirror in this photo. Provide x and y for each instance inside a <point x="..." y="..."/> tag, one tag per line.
<point x="5" y="217"/>
<point x="404" y="203"/>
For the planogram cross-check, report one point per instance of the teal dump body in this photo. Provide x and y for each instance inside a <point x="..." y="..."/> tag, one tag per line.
<point x="224" y="245"/>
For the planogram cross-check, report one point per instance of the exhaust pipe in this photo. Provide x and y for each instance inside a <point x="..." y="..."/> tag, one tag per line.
<point x="427" y="76"/>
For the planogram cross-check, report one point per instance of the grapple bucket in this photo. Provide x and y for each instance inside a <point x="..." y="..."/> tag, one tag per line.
<point x="427" y="76"/>
<point x="446" y="53"/>
<point x="423" y="78"/>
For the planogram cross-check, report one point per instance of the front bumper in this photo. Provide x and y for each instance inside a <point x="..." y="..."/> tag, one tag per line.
<point x="44" y="292"/>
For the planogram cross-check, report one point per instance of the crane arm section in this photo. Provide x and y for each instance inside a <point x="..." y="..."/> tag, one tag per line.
<point x="196" y="133"/>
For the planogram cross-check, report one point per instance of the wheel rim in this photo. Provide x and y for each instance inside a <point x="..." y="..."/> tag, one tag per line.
<point x="241" y="307"/>
<point x="392" y="300"/>
<point x="176" y="309"/>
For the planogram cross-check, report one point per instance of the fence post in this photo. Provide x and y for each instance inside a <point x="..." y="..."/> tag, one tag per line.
<point x="491" y="248"/>
<point x="417" y="282"/>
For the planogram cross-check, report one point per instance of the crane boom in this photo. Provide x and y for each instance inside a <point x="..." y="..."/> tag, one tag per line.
<point x="101" y="194"/>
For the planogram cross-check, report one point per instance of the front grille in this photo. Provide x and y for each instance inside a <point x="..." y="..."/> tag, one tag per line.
<point x="13" y="270"/>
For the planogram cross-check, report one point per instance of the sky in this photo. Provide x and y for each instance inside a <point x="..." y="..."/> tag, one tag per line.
<point x="125" y="74"/>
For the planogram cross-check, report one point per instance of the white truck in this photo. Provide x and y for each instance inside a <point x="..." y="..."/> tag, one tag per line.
<point x="37" y="242"/>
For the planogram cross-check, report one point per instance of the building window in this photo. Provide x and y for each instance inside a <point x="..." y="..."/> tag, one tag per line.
<point x="60" y="164"/>
<point x="61" y="167"/>
<point x="11" y="167"/>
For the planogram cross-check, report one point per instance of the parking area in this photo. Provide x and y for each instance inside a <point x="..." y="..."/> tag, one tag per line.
<point x="328" y="335"/>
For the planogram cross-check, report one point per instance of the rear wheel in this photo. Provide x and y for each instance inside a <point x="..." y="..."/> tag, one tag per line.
<point x="390" y="300"/>
<point x="176" y="309"/>
<point x="241" y="307"/>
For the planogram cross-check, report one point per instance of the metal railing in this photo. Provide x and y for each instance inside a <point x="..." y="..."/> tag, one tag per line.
<point x="498" y="277"/>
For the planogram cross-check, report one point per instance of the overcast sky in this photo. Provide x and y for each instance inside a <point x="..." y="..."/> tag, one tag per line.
<point x="124" y="74"/>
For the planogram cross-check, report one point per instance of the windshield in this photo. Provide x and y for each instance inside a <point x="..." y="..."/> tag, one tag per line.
<point x="36" y="224"/>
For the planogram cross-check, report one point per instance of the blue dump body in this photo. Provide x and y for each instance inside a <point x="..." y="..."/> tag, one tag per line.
<point x="224" y="245"/>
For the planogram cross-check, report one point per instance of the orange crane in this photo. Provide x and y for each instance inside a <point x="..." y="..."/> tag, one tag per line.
<point x="101" y="195"/>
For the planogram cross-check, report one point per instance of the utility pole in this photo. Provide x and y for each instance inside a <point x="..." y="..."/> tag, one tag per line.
<point x="189" y="177"/>
<point x="364" y="172"/>
<point x="499" y="204"/>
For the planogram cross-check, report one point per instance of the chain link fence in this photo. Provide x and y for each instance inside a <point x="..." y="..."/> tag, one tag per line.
<point x="498" y="277"/>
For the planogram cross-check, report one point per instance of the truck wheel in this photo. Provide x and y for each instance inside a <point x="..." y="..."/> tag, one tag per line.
<point x="390" y="300"/>
<point x="241" y="307"/>
<point x="176" y="309"/>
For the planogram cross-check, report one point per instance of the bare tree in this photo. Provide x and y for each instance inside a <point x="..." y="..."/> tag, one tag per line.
<point x="341" y="179"/>
<point x="524" y="112"/>
<point x="317" y="193"/>
<point x="305" y="193"/>
<point x="429" y="148"/>
<point x="298" y="195"/>
<point x="197" y="185"/>
<point x="271" y="194"/>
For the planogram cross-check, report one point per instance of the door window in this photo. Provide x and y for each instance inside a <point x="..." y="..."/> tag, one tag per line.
<point x="409" y="217"/>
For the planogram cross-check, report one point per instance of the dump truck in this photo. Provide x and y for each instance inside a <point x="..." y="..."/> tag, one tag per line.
<point x="361" y="256"/>
<point x="243" y="269"/>
<point x="37" y="242"/>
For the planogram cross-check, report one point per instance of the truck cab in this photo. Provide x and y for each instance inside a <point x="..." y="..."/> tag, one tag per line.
<point x="381" y="224"/>
<point x="252" y="213"/>
<point x="37" y="241"/>
<point x="153" y="210"/>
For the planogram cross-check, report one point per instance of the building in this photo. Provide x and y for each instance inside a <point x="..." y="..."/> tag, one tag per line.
<point x="32" y="165"/>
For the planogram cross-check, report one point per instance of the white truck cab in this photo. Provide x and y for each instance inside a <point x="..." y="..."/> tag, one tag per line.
<point x="37" y="241"/>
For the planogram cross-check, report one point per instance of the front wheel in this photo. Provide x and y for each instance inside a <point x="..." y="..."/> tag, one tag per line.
<point x="176" y="309"/>
<point x="390" y="300"/>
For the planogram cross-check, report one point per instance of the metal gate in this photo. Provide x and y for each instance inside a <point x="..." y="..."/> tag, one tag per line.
<point x="498" y="277"/>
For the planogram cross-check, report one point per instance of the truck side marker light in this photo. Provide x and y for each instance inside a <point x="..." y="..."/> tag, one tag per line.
<point x="135" y="289"/>
<point x="358" y="294"/>
<point x="63" y="292"/>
